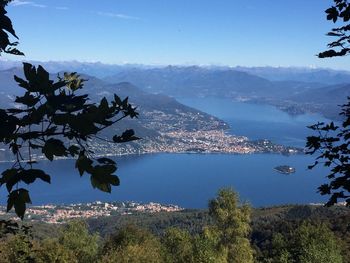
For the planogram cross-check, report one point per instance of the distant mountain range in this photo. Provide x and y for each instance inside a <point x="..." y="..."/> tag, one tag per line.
<point x="100" y="70"/>
<point x="320" y="75"/>
<point x="96" y="69"/>
<point x="164" y="124"/>
<point x="160" y="115"/>
<point x="203" y="82"/>
<point x="149" y="105"/>
<point x="295" y="90"/>
<point x="294" y="96"/>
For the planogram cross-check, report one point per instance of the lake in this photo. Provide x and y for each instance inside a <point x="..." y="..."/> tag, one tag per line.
<point x="190" y="180"/>
<point x="257" y="121"/>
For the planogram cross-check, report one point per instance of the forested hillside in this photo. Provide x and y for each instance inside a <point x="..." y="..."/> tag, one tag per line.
<point x="273" y="234"/>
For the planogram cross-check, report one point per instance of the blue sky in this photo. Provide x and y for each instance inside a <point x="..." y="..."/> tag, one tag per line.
<point x="222" y="32"/>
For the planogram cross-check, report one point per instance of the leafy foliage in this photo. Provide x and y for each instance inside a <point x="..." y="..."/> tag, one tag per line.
<point x="76" y="238"/>
<point x="6" y="28"/>
<point x="51" y="250"/>
<point x="340" y="47"/>
<point x="308" y="243"/>
<point x="16" y="246"/>
<point x="223" y="240"/>
<point x="178" y="245"/>
<point x="74" y="244"/>
<point x="279" y="234"/>
<point x="132" y="244"/>
<point x="332" y="144"/>
<point x="231" y="226"/>
<point x="54" y="119"/>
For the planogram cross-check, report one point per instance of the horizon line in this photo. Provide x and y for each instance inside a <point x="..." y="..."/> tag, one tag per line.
<point x="163" y="65"/>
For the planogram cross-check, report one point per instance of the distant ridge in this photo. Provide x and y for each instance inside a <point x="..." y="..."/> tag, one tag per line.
<point x="294" y="90"/>
<point x="101" y="70"/>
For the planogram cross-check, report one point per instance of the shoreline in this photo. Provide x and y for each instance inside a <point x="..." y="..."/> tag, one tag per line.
<point x="165" y="152"/>
<point x="62" y="213"/>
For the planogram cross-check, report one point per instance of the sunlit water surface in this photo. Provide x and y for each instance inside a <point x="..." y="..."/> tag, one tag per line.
<point x="189" y="180"/>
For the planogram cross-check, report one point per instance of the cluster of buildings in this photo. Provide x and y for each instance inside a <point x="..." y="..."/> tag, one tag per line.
<point x="209" y="141"/>
<point x="61" y="213"/>
<point x="184" y="141"/>
<point x="177" y="131"/>
<point x="197" y="141"/>
<point x="181" y="120"/>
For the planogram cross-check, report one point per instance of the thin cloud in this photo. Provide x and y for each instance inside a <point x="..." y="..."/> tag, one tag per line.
<point x="120" y="16"/>
<point x="19" y="3"/>
<point x="28" y="3"/>
<point x="38" y="5"/>
<point x="61" y="7"/>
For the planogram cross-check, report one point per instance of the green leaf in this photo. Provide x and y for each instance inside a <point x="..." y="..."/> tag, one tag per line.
<point x="8" y="125"/>
<point x="29" y="71"/>
<point x="97" y="183"/>
<point x="332" y="14"/>
<point x="104" y="182"/>
<point x="28" y="99"/>
<point x="73" y="150"/>
<point x="59" y="84"/>
<point x="21" y="82"/>
<point x="43" y="74"/>
<point x="84" y="164"/>
<point x="6" y="24"/>
<point x="127" y="136"/>
<point x="10" y="178"/>
<point x="6" y="45"/>
<point x="114" y="180"/>
<point x="30" y="175"/>
<point x="61" y="119"/>
<point x="18" y="199"/>
<point x="73" y="81"/>
<point x="101" y="170"/>
<point x="54" y="147"/>
<point x="104" y="105"/>
<point x="102" y="177"/>
<point x="8" y="174"/>
<point x="83" y="125"/>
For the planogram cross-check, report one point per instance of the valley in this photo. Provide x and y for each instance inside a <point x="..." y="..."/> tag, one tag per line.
<point x="164" y="124"/>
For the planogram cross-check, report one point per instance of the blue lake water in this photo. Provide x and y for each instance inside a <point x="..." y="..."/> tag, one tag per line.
<point x="190" y="180"/>
<point x="258" y="121"/>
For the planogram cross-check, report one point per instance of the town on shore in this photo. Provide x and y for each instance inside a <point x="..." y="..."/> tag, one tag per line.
<point x="57" y="214"/>
<point x="208" y="141"/>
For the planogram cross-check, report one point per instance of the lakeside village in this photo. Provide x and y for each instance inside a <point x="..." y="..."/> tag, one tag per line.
<point x="179" y="133"/>
<point x="58" y="214"/>
<point x="213" y="141"/>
